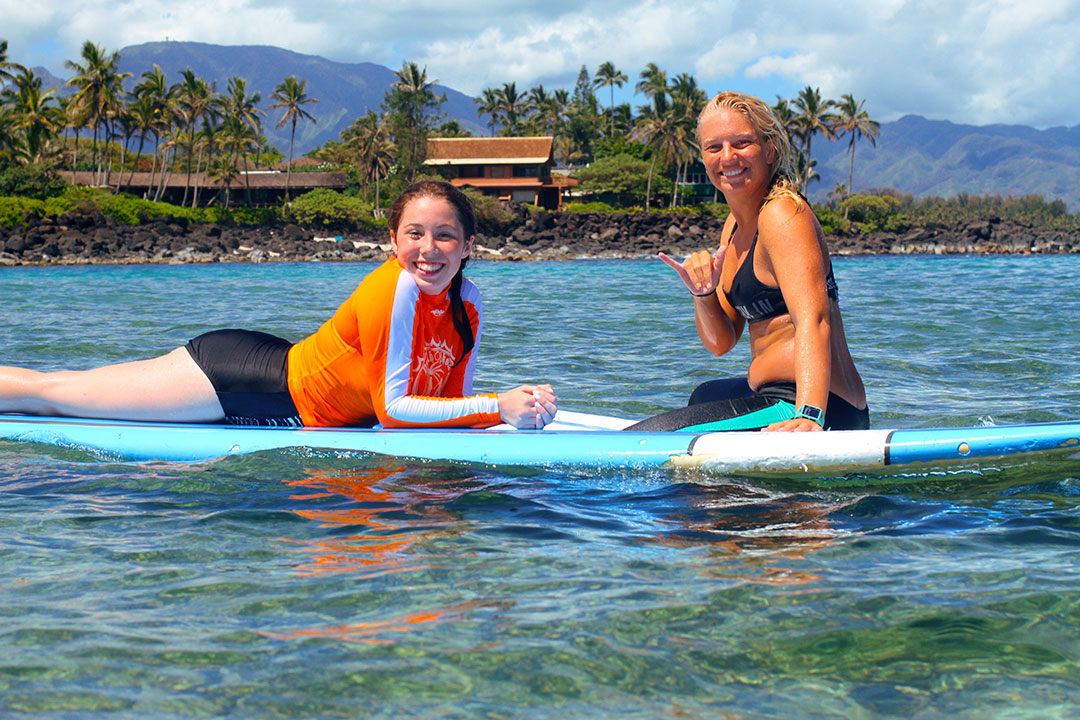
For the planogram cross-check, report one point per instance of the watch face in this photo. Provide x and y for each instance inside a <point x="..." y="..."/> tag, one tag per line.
<point x="811" y="413"/>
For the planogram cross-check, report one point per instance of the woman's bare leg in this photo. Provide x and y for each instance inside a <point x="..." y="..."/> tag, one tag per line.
<point x="169" y="388"/>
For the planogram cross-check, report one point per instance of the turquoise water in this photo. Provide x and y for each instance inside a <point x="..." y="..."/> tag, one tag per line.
<point x="299" y="584"/>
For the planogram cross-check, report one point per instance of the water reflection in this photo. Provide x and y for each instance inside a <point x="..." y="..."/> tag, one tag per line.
<point x="380" y="523"/>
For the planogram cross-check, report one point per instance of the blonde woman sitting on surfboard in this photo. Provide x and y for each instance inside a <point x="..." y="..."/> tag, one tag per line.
<point x="771" y="276"/>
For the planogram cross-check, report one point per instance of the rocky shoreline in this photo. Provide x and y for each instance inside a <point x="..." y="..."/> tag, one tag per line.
<point x="88" y="239"/>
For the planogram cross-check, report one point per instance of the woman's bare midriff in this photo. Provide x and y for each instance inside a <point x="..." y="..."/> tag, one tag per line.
<point x="772" y="349"/>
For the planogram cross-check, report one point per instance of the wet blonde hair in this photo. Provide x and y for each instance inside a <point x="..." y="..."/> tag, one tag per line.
<point x="772" y="133"/>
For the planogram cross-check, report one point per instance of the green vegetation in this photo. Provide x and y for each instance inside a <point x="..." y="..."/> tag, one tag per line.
<point x="331" y="210"/>
<point x="126" y="209"/>
<point x="589" y="207"/>
<point x="891" y="211"/>
<point x="30" y="181"/>
<point x="621" y="180"/>
<point x="491" y="215"/>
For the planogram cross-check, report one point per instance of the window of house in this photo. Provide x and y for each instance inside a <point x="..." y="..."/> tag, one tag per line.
<point x="497" y="171"/>
<point x="526" y="171"/>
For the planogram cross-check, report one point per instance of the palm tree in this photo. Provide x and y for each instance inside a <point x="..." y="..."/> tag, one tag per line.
<point x="661" y="129"/>
<point x="787" y="119"/>
<point x="488" y="103"/>
<point x="223" y="172"/>
<point x="234" y="138"/>
<point x="813" y="117"/>
<point x="161" y="99"/>
<point x="512" y="105"/>
<point x="624" y="119"/>
<point x="175" y="139"/>
<point x="99" y="87"/>
<point x="242" y="106"/>
<point x="653" y="81"/>
<point x="211" y="141"/>
<point x="6" y="121"/>
<point x="35" y="116"/>
<point x="8" y="69"/>
<point x="375" y="150"/>
<point x="607" y="75"/>
<point x="244" y="109"/>
<point x="539" y="101"/>
<point x="688" y="100"/>
<point x="124" y="119"/>
<point x="855" y="121"/>
<point x="291" y="95"/>
<point x="144" y="118"/>
<point x="409" y="103"/>
<point x="195" y="100"/>
<point x="684" y="91"/>
<point x="558" y="109"/>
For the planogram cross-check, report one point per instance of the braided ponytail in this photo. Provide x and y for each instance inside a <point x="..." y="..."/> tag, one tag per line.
<point x="460" y="315"/>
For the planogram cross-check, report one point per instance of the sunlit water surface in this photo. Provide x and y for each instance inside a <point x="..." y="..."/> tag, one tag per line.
<point x="303" y="584"/>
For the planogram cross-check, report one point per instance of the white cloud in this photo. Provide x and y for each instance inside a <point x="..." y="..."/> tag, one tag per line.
<point x="974" y="61"/>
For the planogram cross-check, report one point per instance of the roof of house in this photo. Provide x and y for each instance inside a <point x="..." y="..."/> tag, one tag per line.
<point x="255" y="180"/>
<point x="499" y="182"/>
<point x="496" y="150"/>
<point x="300" y="162"/>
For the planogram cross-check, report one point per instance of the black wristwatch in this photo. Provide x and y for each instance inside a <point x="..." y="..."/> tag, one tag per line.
<point x="811" y="412"/>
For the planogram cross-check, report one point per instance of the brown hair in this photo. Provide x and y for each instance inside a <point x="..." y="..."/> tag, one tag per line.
<point x="442" y="191"/>
<point x="772" y="133"/>
<point x="464" y="210"/>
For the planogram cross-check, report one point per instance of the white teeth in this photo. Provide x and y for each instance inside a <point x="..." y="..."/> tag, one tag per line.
<point x="429" y="267"/>
<point x="733" y="173"/>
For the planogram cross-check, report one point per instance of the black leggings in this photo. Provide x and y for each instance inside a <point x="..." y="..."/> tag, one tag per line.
<point x="730" y="404"/>
<point x="249" y="371"/>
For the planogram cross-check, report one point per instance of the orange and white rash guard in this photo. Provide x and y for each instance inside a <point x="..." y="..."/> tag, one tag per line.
<point x="388" y="353"/>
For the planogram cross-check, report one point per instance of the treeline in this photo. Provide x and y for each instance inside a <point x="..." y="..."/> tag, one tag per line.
<point x="113" y="124"/>
<point x="188" y="125"/>
<point x="627" y="156"/>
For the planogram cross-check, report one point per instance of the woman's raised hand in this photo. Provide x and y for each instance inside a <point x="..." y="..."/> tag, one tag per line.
<point x="700" y="271"/>
<point x="528" y="406"/>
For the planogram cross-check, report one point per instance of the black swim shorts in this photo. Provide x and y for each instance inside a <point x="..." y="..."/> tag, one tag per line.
<point x="249" y="371"/>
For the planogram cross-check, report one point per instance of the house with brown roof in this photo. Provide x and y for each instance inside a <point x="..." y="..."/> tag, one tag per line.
<point x="515" y="169"/>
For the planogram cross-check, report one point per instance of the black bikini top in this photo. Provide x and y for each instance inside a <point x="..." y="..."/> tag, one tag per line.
<point x="757" y="301"/>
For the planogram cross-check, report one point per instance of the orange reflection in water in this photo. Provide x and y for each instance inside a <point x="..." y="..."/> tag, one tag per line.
<point x="378" y="548"/>
<point x="374" y="632"/>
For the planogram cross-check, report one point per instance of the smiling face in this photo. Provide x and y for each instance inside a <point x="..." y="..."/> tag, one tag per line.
<point x="430" y="243"/>
<point x="736" y="158"/>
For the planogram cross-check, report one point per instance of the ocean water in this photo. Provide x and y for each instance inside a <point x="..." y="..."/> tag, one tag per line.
<point x="300" y="584"/>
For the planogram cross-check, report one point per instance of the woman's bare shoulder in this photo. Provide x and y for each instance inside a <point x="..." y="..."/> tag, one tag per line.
<point x="787" y="224"/>
<point x="783" y="211"/>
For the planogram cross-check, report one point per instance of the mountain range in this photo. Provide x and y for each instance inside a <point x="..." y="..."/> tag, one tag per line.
<point x="913" y="154"/>
<point x="936" y="157"/>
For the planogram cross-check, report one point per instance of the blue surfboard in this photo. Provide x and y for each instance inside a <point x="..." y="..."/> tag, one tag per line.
<point x="575" y="439"/>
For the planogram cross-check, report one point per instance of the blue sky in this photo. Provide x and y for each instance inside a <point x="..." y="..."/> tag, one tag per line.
<point x="970" y="61"/>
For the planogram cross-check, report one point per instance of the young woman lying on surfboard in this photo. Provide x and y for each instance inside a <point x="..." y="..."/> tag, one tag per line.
<point x="399" y="352"/>
<point x="772" y="276"/>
